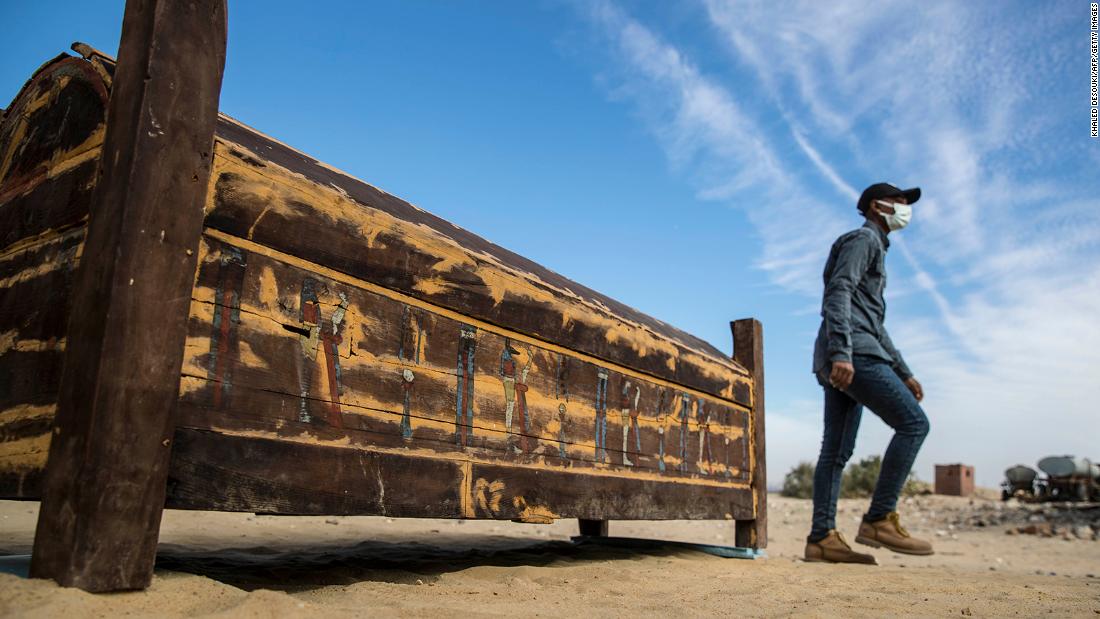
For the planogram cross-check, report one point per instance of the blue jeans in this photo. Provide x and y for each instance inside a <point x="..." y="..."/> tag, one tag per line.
<point x="879" y="388"/>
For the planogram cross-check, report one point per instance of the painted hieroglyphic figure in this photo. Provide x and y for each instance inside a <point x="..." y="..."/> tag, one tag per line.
<point x="601" y="415"/>
<point x="326" y="337"/>
<point x="408" y="349"/>
<point x="561" y="384"/>
<point x="227" y="320"/>
<point x="662" y="418"/>
<point x="561" y="392"/>
<point x="464" y="406"/>
<point x="628" y="412"/>
<point x="508" y="377"/>
<point x="726" y="419"/>
<point x="728" y="472"/>
<point x="702" y="416"/>
<point x="521" y="407"/>
<point x="561" y="431"/>
<point x="309" y="316"/>
<point x="407" y="377"/>
<point x="685" y="416"/>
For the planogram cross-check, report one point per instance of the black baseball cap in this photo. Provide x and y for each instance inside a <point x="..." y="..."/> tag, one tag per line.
<point x="885" y="190"/>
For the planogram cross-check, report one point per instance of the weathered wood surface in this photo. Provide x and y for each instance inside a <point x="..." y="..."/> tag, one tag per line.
<point x="313" y="296"/>
<point x="104" y="485"/>
<point x="748" y="349"/>
<point x="49" y="147"/>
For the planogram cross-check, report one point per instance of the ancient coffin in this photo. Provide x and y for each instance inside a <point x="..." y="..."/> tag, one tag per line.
<point x="350" y="353"/>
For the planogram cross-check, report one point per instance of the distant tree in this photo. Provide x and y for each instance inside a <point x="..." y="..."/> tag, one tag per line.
<point x="799" y="482"/>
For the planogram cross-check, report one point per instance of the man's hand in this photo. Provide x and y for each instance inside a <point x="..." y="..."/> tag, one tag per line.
<point x="914" y="386"/>
<point x="841" y="375"/>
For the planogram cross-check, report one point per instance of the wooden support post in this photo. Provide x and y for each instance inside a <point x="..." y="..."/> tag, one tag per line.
<point x="105" y="478"/>
<point x="748" y="350"/>
<point x="593" y="528"/>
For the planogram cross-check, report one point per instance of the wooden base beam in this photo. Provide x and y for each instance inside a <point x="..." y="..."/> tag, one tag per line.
<point x="104" y="485"/>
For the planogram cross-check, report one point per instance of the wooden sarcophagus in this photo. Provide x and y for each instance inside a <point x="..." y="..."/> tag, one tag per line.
<point x="349" y="353"/>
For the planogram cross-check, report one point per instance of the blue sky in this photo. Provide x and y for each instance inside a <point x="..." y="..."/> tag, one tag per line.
<point x="696" y="159"/>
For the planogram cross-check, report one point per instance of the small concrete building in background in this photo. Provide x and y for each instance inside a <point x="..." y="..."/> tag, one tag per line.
<point x="954" y="479"/>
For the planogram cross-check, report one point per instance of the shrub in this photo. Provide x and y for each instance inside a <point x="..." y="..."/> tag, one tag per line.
<point x="860" y="477"/>
<point x="799" y="482"/>
<point x="858" y="481"/>
<point x="914" y="486"/>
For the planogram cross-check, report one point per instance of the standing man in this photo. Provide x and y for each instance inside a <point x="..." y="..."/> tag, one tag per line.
<point x="857" y="365"/>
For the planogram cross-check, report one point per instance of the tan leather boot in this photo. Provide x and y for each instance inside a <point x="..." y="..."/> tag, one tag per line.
<point x="834" y="549"/>
<point x="888" y="533"/>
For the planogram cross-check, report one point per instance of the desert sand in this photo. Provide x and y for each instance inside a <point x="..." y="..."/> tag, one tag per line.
<point x="244" y="565"/>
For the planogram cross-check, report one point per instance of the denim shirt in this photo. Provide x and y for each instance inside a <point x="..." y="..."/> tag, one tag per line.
<point x="853" y="308"/>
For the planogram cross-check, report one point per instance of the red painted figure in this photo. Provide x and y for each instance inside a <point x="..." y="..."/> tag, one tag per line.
<point x="227" y="318"/>
<point x="328" y="337"/>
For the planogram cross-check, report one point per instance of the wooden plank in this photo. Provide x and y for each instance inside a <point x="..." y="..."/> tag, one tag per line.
<point x="533" y="495"/>
<point x="61" y="203"/>
<point x="210" y="470"/>
<point x="104" y="485"/>
<point x="748" y="350"/>
<point x="213" y="470"/>
<point x="34" y="309"/>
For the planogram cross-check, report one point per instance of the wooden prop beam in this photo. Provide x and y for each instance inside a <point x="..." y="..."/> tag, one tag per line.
<point x="748" y="350"/>
<point x="104" y="485"/>
<point x="593" y="528"/>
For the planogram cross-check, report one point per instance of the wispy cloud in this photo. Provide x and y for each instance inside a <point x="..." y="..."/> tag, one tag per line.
<point x="1006" y="243"/>
<point x="711" y="138"/>
<point x="826" y="170"/>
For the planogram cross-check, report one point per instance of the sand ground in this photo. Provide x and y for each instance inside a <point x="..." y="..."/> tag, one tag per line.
<point x="243" y="565"/>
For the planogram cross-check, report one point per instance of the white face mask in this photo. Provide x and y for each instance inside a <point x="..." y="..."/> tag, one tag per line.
<point x="900" y="217"/>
